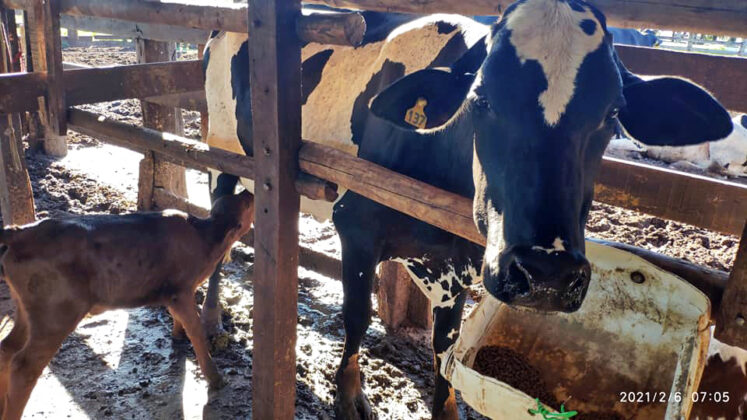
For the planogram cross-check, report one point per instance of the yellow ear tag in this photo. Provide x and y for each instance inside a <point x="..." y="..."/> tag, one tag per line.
<point x="415" y="116"/>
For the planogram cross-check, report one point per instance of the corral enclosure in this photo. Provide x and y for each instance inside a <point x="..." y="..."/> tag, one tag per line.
<point x="711" y="205"/>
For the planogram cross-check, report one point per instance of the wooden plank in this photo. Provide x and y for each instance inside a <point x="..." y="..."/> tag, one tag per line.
<point x="697" y="200"/>
<point x="275" y="80"/>
<point x="331" y="28"/>
<point x="176" y="149"/>
<point x="725" y="17"/>
<point x="21" y="91"/>
<point x="718" y="74"/>
<point x="16" y="197"/>
<point x="339" y="30"/>
<point x="731" y="325"/>
<point x="145" y="196"/>
<point x="132" y="81"/>
<point x="33" y="117"/>
<point x="162" y="118"/>
<point x="128" y="29"/>
<point x="400" y="301"/>
<point x="442" y="209"/>
<point x="45" y="26"/>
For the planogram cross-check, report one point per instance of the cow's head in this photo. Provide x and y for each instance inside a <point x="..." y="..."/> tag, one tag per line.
<point x="543" y="102"/>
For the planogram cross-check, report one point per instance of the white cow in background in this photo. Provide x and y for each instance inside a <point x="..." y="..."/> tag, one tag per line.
<point x="726" y="157"/>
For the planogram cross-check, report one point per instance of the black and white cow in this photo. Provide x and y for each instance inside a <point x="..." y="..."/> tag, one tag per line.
<point x="627" y="36"/>
<point x="516" y="115"/>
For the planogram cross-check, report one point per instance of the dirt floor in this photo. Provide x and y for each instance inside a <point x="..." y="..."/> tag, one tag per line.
<point x="124" y="364"/>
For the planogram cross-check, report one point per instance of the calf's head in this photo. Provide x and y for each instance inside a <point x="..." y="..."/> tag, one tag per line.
<point x="541" y="103"/>
<point x="233" y="215"/>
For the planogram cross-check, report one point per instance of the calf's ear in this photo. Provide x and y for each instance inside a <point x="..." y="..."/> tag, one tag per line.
<point x="672" y="112"/>
<point x="424" y="99"/>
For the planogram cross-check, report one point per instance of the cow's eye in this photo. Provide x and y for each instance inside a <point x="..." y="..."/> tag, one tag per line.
<point x="613" y="114"/>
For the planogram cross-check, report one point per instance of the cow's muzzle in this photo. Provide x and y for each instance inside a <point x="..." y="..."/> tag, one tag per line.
<point x="546" y="281"/>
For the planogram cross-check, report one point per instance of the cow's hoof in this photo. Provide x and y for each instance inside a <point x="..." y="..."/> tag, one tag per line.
<point x="353" y="408"/>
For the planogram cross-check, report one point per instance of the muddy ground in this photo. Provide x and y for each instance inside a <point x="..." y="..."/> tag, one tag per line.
<point x="124" y="364"/>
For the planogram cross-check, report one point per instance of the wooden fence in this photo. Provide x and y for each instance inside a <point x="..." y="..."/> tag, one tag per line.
<point x="275" y="26"/>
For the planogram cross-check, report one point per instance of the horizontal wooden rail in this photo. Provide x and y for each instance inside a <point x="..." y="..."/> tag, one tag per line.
<point x="186" y="152"/>
<point x="183" y="151"/>
<point x="102" y="84"/>
<point x="718" y="74"/>
<point x="697" y="200"/>
<point x="328" y="28"/>
<point x="19" y="91"/>
<point x="125" y="29"/>
<point x="723" y="17"/>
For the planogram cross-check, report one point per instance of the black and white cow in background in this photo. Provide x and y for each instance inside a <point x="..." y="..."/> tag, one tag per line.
<point x="517" y="116"/>
<point x="628" y="36"/>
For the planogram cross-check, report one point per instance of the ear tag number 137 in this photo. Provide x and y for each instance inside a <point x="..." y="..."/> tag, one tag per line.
<point x="415" y="116"/>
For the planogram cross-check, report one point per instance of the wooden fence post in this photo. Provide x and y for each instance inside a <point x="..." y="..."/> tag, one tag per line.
<point x="47" y="54"/>
<point x="33" y="122"/>
<point x="158" y="173"/>
<point x="275" y="80"/>
<point x="731" y="323"/>
<point x="401" y="303"/>
<point x="16" y="198"/>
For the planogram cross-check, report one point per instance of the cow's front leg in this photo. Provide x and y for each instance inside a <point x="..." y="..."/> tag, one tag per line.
<point x="221" y="185"/>
<point x="358" y="265"/>
<point x="447" y="321"/>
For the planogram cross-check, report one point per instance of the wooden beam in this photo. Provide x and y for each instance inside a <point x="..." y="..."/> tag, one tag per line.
<point x="716" y="73"/>
<point x="45" y="28"/>
<point x="179" y="150"/>
<point x="16" y="197"/>
<point x="697" y="200"/>
<point x="20" y="92"/>
<point x="731" y="325"/>
<point x="134" y="30"/>
<point x="275" y="80"/>
<point x="725" y="17"/>
<point x="103" y="84"/>
<point x="332" y="28"/>
<point x="342" y="29"/>
<point x="183" y="151"/>
<point x="162" y="118"/>
<point x="400" y="300"/>
<point x="432" y="205"/>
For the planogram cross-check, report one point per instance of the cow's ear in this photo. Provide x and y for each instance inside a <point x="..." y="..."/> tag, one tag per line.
<point x="424" y="99"/>
<point x="672" y="112"/>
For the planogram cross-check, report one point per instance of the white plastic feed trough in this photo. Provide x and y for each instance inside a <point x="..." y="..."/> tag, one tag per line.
<point x="649" y="339"/>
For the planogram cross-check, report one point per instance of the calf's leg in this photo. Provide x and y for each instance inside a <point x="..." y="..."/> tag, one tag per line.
<point x="47" y="328"/>
<point x="446" y="323"/>
<point x="358" y="264"/>
<point x="221" y="185"/>
<point x="183" y="309"/>
<point x="14" y="342"/>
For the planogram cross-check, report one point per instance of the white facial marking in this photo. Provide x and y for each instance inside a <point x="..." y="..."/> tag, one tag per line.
<point x="452" y="334"/>
<point x="549" y="32"/>
<point x="495" y="237"/>
<point x="557" y="246"/>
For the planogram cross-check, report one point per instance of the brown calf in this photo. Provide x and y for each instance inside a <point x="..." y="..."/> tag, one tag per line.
<point x="60" y="270"/>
